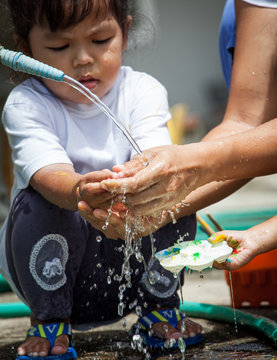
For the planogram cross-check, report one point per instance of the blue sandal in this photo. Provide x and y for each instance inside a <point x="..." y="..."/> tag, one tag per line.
<point x="51" y="332"/>
<point x="172" y="316"/>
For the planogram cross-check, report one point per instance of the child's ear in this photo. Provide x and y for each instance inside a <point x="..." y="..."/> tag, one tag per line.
<point x="126" y="31"/>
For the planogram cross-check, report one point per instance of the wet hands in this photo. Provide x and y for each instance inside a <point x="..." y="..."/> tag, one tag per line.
<point x="106" y="213"/>
<point x="244" y="248"/>
<point x="112" y="223"/>
<point x="98" y="219"/>
<point x="94" y="202"/>
<point x="156" y="181"/>
<point x="90" y="191"/>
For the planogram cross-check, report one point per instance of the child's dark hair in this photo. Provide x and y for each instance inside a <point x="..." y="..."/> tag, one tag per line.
<point x="61" y="14"/>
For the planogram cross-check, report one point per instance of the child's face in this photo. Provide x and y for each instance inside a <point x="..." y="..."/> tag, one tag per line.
<point x="90" y="52"/>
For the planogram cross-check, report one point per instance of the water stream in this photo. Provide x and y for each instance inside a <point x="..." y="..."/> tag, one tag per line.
<point x="233" y="302"/>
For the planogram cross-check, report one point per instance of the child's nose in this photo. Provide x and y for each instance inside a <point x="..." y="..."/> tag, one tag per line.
<point x="83" y="57"/>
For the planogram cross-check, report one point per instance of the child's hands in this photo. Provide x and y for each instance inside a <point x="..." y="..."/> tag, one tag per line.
<point x="90" y="191"/>
<point x="244" y="248"/>
<point x="116" y="228"/>
<point x="94" y="203"/>
<point x="98" y="217"/>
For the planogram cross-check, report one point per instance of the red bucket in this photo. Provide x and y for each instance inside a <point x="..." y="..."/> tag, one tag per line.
<point x="255" y="284"/>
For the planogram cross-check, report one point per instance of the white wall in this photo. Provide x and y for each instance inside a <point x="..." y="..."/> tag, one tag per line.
<point x="184" y="56"/>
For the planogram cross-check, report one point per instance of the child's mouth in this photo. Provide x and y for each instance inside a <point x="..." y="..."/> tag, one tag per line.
<point x="89" y="82"/>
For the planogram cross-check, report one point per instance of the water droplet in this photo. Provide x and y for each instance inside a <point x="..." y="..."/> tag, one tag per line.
<point x="99" y="238"/>
<point x="111" y="271"/>
<point x="169" y="343"/>
<point x="171" y="213"/>
<point x="121" y="307"/>
<point x="138" y="311"/>
<point x="183" y="327"/>
<point x="145" y="305"/>
<point x="165" y="327"/>
<point x="181" y="344"/>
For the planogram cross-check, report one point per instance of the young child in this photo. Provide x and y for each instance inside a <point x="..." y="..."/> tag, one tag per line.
<point x="55" y="260"/>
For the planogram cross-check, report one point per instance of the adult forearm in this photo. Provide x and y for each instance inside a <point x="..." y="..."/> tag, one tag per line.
<point x="207" y="195"/>
<point x="264" y="235"/>
<point x="225" y="165"/>
<point x="247" y="154"/>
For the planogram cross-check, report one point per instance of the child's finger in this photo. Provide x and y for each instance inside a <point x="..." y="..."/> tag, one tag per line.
<point x="83" y="206"/>
<point x="96" y="176"/>
<point x="92" y="189"/>
<point x="87" y="213"/>
<point x="225" y="265"/>
<point x="216" y="238"/>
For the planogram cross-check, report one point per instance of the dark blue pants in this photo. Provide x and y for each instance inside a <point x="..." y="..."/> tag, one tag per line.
<point x="62" y="269"/>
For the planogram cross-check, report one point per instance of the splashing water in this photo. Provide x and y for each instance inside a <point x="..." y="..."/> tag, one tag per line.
<point x="182" y="346"/>
<point x="99" y="238"/>
<point x="169" y="343"/>
<point x="104" y="227"/>
<point x="171" y="213"/>
<point x="233" y="302"/>
<point x="180" y="286"/>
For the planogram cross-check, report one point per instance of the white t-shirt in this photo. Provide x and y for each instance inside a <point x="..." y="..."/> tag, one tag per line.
<point x="45" y="130"/>
<point x="263" y="3"/>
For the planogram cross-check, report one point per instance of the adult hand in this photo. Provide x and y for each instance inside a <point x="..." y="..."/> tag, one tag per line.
<point x="157" y="180"/>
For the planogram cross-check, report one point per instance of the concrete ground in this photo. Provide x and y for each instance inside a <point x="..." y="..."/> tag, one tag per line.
<point x="112" y="342"/>
<point x="221" y="341"/>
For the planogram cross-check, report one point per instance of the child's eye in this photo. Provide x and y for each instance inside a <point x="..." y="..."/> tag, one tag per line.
<point x="59" y="48"/>
<point x="104" y="41"/>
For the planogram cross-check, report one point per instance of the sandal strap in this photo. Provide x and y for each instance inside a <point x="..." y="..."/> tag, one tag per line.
<point x="50" y="331"/>
<point x="172" y="316"/>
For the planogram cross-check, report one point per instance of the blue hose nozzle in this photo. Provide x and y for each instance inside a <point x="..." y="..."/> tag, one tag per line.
<point x="20" y="62"/>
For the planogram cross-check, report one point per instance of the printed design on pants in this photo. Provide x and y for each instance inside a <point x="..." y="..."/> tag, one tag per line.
<point x="52" y="268"/>
<point x="48" y="260"/>
<point x="158" y="281"/>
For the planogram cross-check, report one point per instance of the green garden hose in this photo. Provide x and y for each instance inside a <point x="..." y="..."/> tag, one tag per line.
<point x="14" y="309"/>
<point x="204" y="311"/>
<point x="4" y="286"/>
<point x="261" y="324"/>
